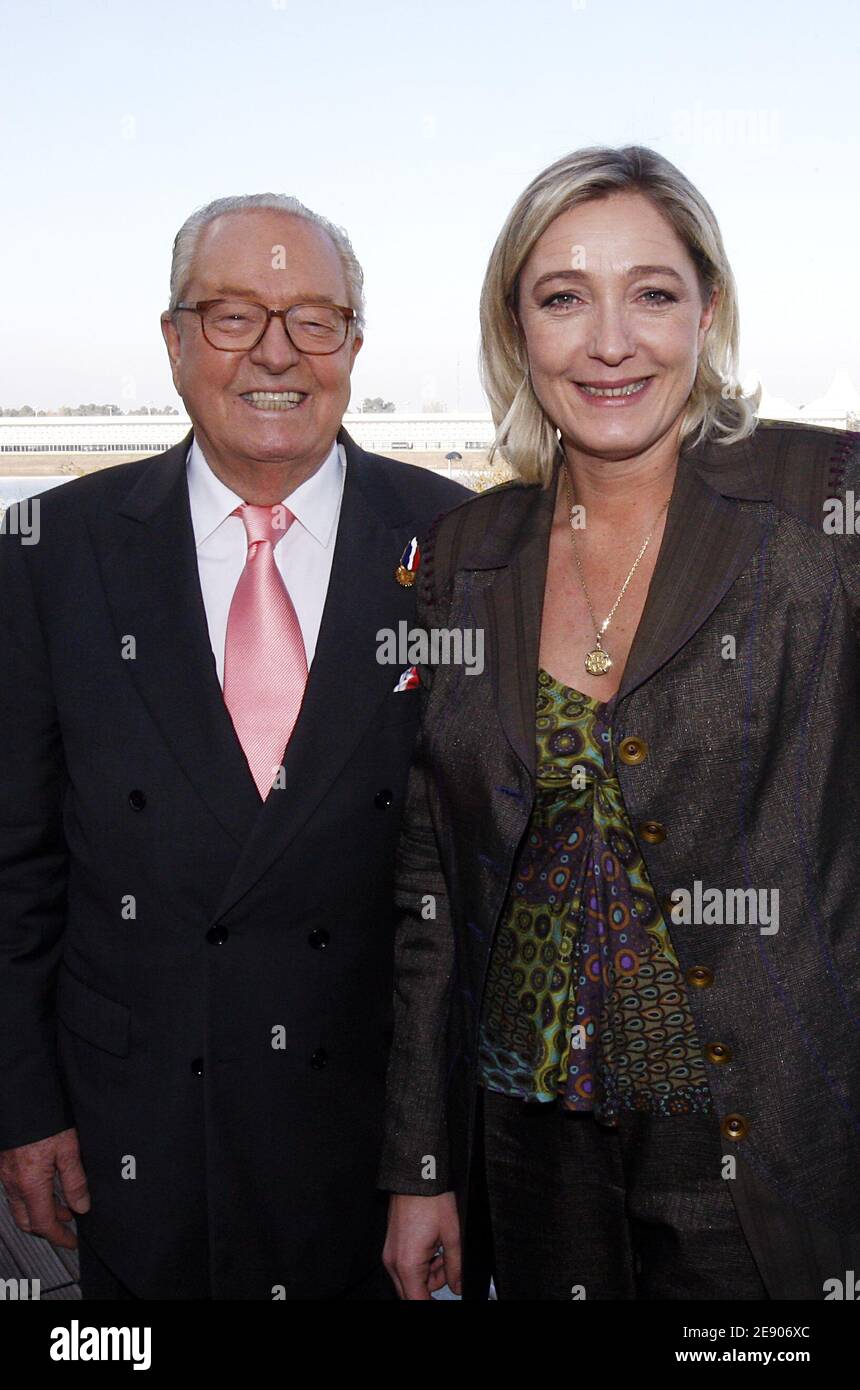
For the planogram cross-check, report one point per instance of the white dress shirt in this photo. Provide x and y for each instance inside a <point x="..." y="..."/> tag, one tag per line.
<point x="303" y="555"/>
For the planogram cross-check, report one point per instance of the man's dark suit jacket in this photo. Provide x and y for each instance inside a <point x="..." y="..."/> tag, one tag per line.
<point x="750" y="779"/>
<point x="158" y="922"/>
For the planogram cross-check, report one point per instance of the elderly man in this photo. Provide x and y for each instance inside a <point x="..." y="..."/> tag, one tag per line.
<point x="204" y="763"/>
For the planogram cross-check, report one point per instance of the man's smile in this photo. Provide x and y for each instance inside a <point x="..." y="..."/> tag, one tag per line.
<point x="274" y="400"/>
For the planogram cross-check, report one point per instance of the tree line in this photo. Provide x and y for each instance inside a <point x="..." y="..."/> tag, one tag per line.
<point x="91" y="409"/>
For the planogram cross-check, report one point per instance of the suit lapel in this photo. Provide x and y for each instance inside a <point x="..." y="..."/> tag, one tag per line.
<point x="346" y="684"/>
<point x="148" y="561"/>
<point x="707" y="540"/>
<point x="149" y="567"/>
<point x="514" y="608"/>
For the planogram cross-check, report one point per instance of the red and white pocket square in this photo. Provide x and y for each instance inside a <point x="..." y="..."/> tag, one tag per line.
<point x="408" y="680"/>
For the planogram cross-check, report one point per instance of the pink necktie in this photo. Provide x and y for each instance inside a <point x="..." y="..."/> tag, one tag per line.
<point x="265" y="666"/>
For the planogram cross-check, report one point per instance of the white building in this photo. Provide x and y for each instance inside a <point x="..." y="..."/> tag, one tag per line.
<point x="149" y="434"/>
<point x="90" y="434"/>
<point x="469" y="435"/>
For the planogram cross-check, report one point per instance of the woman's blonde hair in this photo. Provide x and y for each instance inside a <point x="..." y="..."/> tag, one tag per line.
<point x="717" y="407"/>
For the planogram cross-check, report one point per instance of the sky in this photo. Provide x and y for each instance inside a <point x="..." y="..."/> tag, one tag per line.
<point x="414" y="126"/>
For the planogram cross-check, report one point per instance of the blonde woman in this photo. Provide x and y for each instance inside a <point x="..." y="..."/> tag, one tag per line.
<point x="629" y="935"/>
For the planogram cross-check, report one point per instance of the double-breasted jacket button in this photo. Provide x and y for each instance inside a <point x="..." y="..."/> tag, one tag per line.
<point x="217" y="935"/>
<point x="699" y="976"/>
<point x="137" y="799"/>
<point x="632" y="750"/>
<point x="197" y="1066"/>
<point x="734" y="1127"/>
<point x="383" y="799"/>
<point x="653" y="832"/>
<point x="319" y="1059"/>
<point x="718" y="1053"/>
<point x="319" y="938"/>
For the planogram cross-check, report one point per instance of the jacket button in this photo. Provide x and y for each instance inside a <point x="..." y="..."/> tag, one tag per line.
<point x="666" y="906"/>
<point x="652" y="832"/>
<point x="718" y="1053"/>
<point x="216" y="936"/>
<point x="319" y="938"/>
<point x="734" y="1127"/>
<point x="136" y="799"/>
<point x="197" y="1066"/>
<point x="699" y="976"/>
<point x="383" y="799"/>
<point x="633" y="750"/>
<point x="319" y="1059"/>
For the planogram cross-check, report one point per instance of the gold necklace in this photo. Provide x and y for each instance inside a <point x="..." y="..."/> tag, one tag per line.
<point x="598" y="661"/>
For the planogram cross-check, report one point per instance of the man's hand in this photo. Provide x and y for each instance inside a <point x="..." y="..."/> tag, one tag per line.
<point x="27" y="1175"/>
<point x="417" y="1227"/>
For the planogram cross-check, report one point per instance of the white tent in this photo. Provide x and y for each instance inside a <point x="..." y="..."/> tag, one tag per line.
<point x="840" y="400"/>
<point x="777" y="408"/>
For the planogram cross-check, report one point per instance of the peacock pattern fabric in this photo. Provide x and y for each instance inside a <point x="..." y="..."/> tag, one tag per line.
<point x="584" y="1001"/>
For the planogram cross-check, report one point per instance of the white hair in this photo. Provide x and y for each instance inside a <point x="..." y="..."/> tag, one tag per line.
<point x="185" y="242"/>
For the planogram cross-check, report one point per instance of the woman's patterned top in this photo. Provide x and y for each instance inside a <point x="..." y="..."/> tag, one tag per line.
<point x="584" y="999"/>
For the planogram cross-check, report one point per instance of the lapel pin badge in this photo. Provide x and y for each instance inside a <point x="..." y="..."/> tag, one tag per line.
<point x="409" y="560"/>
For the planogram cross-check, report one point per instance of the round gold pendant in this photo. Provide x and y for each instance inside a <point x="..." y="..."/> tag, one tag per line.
<point x="598" y="662"/>
<point x="404" y="576"/>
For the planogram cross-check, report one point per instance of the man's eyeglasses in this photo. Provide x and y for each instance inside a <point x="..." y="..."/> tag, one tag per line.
<point x="236" y="325"/>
